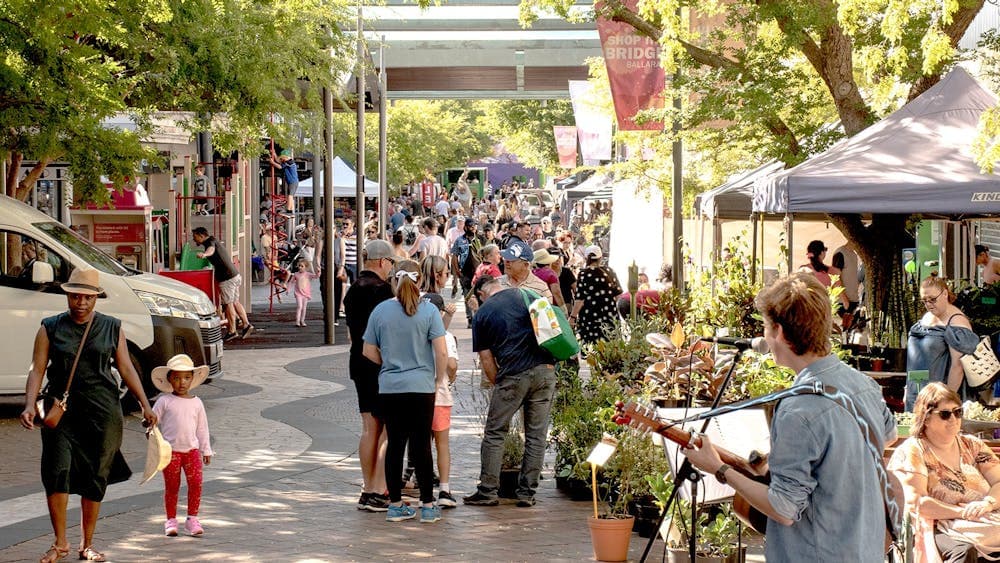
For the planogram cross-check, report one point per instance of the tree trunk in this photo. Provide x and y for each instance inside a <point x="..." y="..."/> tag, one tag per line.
<point x="880" y="246"/>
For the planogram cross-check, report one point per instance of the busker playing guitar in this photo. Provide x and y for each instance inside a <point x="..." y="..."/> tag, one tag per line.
<point x="825" y="500"/>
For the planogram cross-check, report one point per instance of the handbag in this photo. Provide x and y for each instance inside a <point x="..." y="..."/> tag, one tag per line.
<point x="551" y="326"/>
<point x="981" y="367"/>
<point x="51" y="409"/>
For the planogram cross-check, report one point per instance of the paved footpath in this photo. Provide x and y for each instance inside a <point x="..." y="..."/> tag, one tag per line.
<point x="285" y="477"/>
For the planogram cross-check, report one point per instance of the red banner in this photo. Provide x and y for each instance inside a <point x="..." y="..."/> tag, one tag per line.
<point x="427" y="193"/>
<point x="634" y="70"/>
<point x="566" y="145"/>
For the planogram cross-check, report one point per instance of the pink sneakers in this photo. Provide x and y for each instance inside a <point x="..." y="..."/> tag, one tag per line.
<point x="170" y="527"/>
<point x="193" y="527"/>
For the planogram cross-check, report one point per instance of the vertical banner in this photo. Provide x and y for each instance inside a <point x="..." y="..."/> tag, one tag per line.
<point x="427" y="193"/>
<point x="593" y="126"/>
<point x="565" y="145"/>
<point x="634" y="70"/>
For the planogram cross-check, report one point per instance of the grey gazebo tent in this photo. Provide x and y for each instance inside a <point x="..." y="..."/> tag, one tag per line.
<point x="916" y="160"/>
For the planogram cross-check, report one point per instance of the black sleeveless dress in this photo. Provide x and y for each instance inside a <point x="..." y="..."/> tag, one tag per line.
<point x="81" y="455"/>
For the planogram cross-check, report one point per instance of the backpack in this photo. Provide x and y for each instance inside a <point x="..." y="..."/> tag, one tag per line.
<point x="468" y="269"/>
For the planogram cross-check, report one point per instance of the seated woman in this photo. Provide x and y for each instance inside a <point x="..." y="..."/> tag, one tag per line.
<point x="951" y="482"/>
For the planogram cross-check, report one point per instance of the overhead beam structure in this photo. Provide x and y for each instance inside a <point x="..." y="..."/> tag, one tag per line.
<point x="476" y="49"/>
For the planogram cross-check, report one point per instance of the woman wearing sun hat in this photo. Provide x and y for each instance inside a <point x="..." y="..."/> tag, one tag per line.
<point x="184" y="425"/>
<point x="81" y="455"/>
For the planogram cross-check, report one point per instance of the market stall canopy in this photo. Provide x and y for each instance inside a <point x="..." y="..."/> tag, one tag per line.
<point x="916" y="160"/>
<point x="734" y="199"/>
<point x="344" y="182"/>
<point x="589" y="186"/>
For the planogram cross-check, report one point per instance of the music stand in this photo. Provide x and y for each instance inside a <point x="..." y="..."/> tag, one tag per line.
<point x="687" y="472"/>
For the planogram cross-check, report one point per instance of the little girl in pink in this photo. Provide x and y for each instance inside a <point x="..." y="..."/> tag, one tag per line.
<point x="184" y="425"/>
<point x="302" y="282"/>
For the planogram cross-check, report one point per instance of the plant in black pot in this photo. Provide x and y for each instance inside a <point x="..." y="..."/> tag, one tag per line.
<point x="510" y="463"/>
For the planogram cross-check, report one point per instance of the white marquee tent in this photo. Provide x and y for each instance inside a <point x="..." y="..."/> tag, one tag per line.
<point x="344" y="182"/>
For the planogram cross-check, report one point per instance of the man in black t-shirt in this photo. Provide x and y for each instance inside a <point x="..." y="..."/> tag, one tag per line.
<point x="524" y="376"/>
<point x="362" y="297"/>
<point x="228" y="278"/>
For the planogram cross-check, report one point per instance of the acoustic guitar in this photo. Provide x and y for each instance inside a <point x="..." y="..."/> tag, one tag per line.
<point x="643" y="418"/>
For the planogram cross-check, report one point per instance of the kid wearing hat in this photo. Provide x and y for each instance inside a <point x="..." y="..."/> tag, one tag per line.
<point x="184" y="425"/>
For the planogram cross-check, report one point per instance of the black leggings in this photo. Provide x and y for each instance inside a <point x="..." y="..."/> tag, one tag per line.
<point x="408" y="419"/>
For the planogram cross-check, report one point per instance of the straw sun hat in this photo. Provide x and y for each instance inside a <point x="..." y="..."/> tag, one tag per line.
<point x="180" y="362"/>
<point x="85" y="281"/>
<point x="158" y="454"/>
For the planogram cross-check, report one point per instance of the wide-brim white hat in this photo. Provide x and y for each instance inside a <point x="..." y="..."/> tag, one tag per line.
<point x="180" y="362"/>
<point x="158" y="454"/>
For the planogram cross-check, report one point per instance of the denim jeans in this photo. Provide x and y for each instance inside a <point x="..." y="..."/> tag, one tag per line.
<point x="532" y="389"/>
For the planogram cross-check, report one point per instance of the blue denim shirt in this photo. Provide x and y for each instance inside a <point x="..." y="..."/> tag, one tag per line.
<point x="822" y="474"/>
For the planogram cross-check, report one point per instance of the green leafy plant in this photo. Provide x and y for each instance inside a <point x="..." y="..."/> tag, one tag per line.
<point x="715" y="537"/>
<point x="758" y="374"/>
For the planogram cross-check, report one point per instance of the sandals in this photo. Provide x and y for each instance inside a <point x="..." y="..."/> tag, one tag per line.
<point x="55" y="553"/>
<point x="90" y="554"/>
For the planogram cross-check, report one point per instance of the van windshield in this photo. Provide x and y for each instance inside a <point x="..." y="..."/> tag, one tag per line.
<point x="83" y="248"/>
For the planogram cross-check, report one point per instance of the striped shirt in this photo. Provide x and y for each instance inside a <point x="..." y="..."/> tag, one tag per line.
<point x="350" y="249"/>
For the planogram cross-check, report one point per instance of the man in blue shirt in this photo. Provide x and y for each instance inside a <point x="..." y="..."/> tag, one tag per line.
<point x="524" y="376"/>
<point x="825" y="501"/>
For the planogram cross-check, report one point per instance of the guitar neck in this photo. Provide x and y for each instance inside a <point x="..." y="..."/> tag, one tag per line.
<point x="684" y="438"/>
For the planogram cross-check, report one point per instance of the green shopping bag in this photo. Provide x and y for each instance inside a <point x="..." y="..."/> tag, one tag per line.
<point x="551" y="326"/>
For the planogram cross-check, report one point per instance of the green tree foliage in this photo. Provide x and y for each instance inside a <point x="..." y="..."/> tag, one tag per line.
<point x="66" y="66"/>
<point x="525" y="128"/>
<point x="771" y="73"/>
<point x="423" y="138"/>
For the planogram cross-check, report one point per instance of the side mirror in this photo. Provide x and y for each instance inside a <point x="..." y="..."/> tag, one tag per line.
<point x="42" y="272"/>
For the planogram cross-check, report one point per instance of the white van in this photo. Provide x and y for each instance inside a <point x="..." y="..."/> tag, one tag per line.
<point x="160" y="316"/>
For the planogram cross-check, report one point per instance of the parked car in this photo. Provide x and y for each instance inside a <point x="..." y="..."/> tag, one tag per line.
<point x="161" y="317"/>
<point x="535" y="198"/>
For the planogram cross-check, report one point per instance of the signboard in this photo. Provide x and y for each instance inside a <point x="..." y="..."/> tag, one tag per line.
<point x="119" y="232"/>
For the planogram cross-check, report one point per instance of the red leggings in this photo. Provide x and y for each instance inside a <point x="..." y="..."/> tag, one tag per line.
<point x="191" y="462"/>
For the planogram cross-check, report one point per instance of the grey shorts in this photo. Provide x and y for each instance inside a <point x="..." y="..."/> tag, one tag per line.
<point x="230" y="289"/>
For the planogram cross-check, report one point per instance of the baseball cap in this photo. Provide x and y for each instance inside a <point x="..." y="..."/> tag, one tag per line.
<point x="378" y="249"/>
<point x="593" y="251"/>
<point x="435" y="299"/>
<point x="517" y="250"/>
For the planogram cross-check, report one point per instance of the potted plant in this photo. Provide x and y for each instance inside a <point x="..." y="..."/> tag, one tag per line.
<point x="717" y="531"/>
<point x="510" y="463"/>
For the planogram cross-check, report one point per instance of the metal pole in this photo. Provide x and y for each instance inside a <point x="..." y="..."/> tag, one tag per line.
<point x="383" y="127"/>
<point x="329" y="268"/>
<point x="317" y="164"/>
<point x="359" y="193"/>
<point x="678" y="196"/>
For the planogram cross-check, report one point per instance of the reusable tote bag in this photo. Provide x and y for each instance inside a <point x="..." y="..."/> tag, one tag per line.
<point x="551" y="326"/>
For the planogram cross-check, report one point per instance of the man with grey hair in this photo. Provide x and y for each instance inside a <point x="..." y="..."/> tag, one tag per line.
<point x="524" y="376"/>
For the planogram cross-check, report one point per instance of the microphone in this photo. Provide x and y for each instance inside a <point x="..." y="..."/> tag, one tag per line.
<point x="757" y="344"/>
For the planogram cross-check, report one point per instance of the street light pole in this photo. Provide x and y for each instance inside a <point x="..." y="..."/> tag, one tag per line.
<point x="383" y="127"/>
<point x="678" y="181"/>
<point x="359" y="191"/>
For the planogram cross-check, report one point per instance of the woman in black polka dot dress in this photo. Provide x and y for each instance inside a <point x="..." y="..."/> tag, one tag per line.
<point x="597" y="292"/>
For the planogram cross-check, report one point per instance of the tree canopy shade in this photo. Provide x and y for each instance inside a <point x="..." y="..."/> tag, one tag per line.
<point x="767" y="74"/>
<point x="67" y="65"/>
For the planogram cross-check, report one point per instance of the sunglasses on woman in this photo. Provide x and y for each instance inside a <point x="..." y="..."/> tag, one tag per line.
<point x="947" y="414"/>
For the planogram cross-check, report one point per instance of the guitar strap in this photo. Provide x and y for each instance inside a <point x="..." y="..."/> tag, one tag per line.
<point x="892" y="511"/>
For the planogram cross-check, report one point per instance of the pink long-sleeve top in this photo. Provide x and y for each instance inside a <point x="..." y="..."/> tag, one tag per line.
<point x="183" y="423"/>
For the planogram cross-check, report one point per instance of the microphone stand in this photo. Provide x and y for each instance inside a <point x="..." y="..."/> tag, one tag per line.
<point x="687" y="472"/>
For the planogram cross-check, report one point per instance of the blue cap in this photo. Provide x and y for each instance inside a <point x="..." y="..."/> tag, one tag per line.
<point x="517" y="250"/>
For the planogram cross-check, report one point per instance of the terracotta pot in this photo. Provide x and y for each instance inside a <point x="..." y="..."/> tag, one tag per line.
<point x="610" y="537"/>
